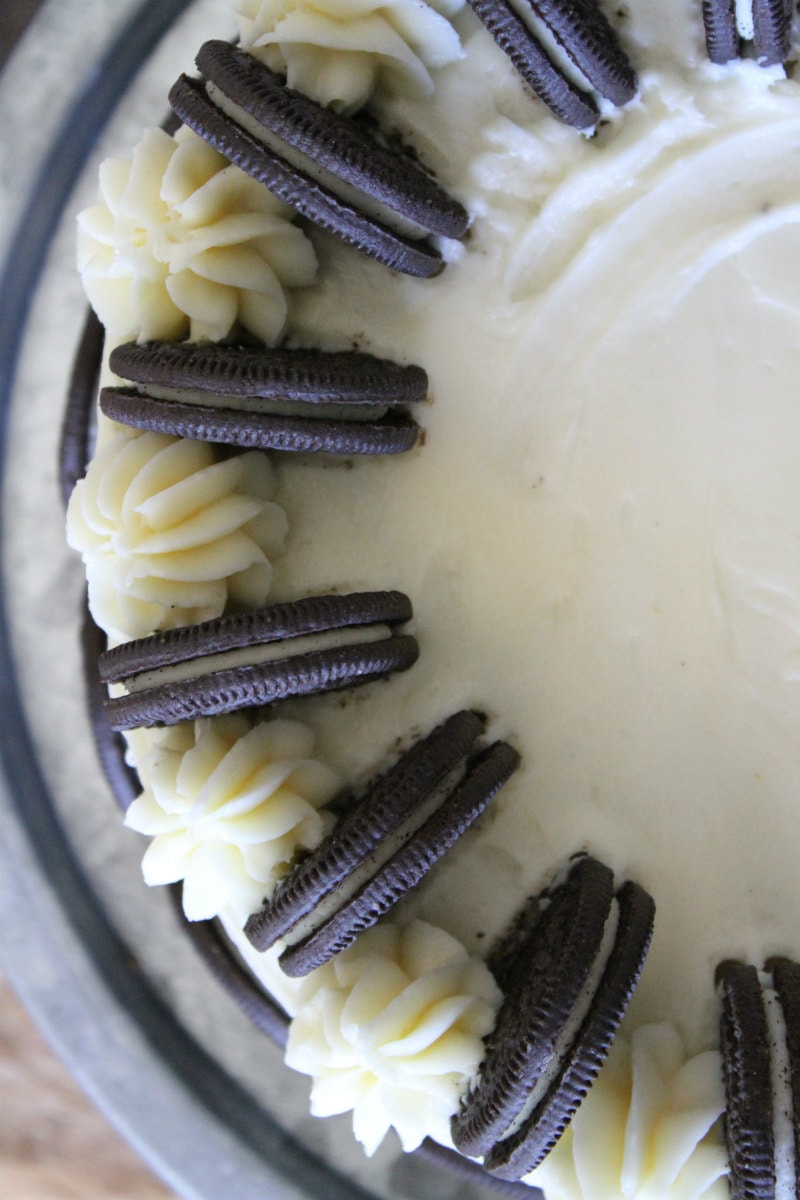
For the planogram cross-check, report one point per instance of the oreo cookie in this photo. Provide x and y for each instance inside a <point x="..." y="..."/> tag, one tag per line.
<point x="333" y="169"/>
<point x="568" y="970"/>
<point x="301" y="648"/>
<point x="760" y="1043"/>
<point x="547" y="39"/>
<point x="767" y="35"/>
<point x="384" y="844"/>
<point x="77" y="428"/>
<point x="305" y="401"/>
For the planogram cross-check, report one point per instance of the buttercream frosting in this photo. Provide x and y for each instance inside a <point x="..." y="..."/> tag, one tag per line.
<point x="171" y="532"/>
<point x="394" y="1032"/>
<point x="182" y="243"/>
<point x="339" y="51"/>
<point x="649" y="1128"/>
<point x="600" y="541"/>
<point x="228" y="805"/>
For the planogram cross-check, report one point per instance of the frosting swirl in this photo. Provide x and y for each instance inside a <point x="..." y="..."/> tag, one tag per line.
<point x="648" y="1127"/>
<point x="170" y="532"/>
<point x="183" y="244"/>
<point x="394" y="1032"/>
<point x="339" y="51"/>
<point x="228" y="805"/>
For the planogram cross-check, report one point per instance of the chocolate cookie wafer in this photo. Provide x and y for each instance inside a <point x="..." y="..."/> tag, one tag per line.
<point x="384" y="844"/>
<point x="318" y="644"/>
<point x="547" y="39"/>
<point x="760" y="1043"/>
<point x="764" y="28"/>
<point x="568" y="970"/>
<point x="298" y="400"/>
<point x="328" y="166"/>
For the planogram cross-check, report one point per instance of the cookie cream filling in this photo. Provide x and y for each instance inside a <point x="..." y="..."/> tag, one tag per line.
<point x="744" y="19"/>
<point x="258" y="655"/>
<point x="267" y="406"/>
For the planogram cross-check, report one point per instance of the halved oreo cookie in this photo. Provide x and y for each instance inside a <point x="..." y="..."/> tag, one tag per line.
<point x="305" y="401"/>
<point x="384" y="844"/>
<point x="568" y="970"/>
<point x="76" y="430"/>
<point x="332" y="168"/>
<point x="722" y="34"/>
<point x="318" y="644"/>
<point x="760" y="1043"/>
<point x="535" y="34"/>
<point x="767" y="31"/>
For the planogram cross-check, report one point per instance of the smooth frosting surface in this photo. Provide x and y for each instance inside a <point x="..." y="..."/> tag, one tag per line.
<point x="394" y="1032"/>
<point x="339" y="51"/>
<point x="183" y="244"/>
<point x="171" y="532"/>
<point x="229" y="804"/>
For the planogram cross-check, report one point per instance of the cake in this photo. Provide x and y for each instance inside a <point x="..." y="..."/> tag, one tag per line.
<point x="596" y="531"/>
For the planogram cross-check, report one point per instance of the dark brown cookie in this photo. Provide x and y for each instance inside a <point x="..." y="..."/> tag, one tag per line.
<point x="520" y="1153"/>
<point x="542" y="76"/>
<point x="722" y="35"/>
<point x="771" y="31"/>
<point x="322" y="163"/>
<point x="319" y="644"/>
<point x="760" y="1043"/>
<point x="421" y="847"/>
<point x="567" y="969"/>
<point x="582" y="33"/>
<point x="297" y="400"/>
<point x="744" y="1041"/>
<point x="368" y="820"/>
<point x="77" y="427"/>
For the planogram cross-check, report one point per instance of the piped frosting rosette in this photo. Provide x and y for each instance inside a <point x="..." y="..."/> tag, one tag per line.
<point x="229" y="804"/>
<point x="394" y="1032"/>
<point x="183" y="244"/>
<point x="648" y="1129"/>
<point x="339" y="51"/>
<point x="171" y="534"/>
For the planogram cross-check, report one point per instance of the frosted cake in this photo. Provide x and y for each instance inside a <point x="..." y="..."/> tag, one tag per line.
<point x="596" y="527"/>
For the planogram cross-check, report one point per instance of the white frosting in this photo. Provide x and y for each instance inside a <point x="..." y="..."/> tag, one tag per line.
<point x="339" y="51"/>
<point x="171" y="532"/>
<point x="599" y="532"/>
<point x="228" y="805"/>
<point x="600" y="538"/>
<point x="184" y="244"/>
<point x="648" y="1129"/>
<point x="394" y="1032"/>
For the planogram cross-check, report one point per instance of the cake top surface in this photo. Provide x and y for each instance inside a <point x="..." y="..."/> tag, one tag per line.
<point x="598" y="532"/>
